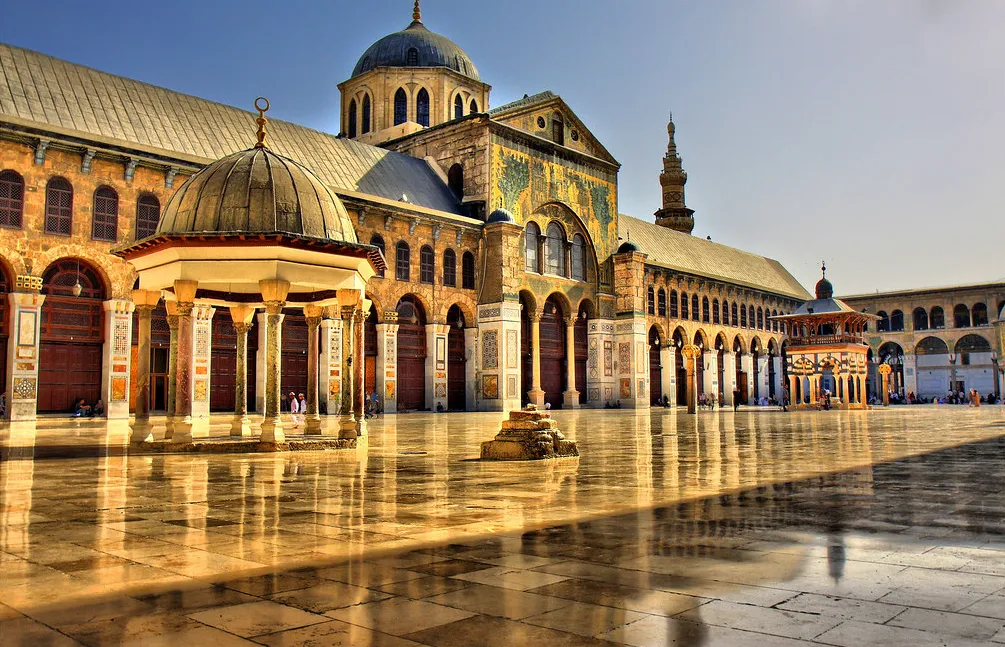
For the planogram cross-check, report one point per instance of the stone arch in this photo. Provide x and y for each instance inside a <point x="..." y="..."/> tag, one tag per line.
<point x="375" y="305"/>
<point x="13" y="264"/>
<point x="972" y="343"/>
<point x="660" y="332"/>
<point x="738" y="345"/>
<point x="702" y="336"/>
<point x="679" y="335"/>
<point x="427" y="310"/>
<point x="467" y="310"/>
<point x="120" y="289"/>
<point x="84" y="267"/>
<point x="721" y="341"/>
<point x="772" y="347"/>
<point x="560" y="299"/>
<point x="931" y="346"/>
<point x="587" y="305"/>
<point x="529" y="301"/>
<point x="558" y="211"/>
<point x="756" y="344"/>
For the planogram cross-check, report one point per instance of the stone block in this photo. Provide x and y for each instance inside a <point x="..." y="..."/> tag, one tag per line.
<point x="528" y="435"/>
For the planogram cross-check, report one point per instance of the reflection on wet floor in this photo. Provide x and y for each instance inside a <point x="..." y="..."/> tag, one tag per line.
<point x="843" y="528"/>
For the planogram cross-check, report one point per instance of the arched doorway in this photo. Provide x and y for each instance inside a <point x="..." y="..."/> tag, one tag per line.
<point x="772" y="374"/>
<point x="553" y="360"/>
<point x="720" y="362"/>
<point x="5" y="285"/>
<point x="411" y="354"/>
<point x="893" y="354"/>
<point x="456" y="397"/>
<point x="370" y="352"/>
<point x="680" y="368"/>
<point x="527" y="307"/>
<point x="755" y="367"/>
<point x="294" y="370"/>
<point x="699" y="365"/>
<point x="72" y="335"/>
<point x="581" y="351"/>
<point x="223" y="385"/>
<point x="741" y="377"/>
<point x="655" y="369"/>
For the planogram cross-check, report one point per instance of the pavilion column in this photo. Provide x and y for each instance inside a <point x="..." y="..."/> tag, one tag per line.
<point x="691" y="353"/>
<point x="116" y="357"/>
<point x="387" y="362"/>
<point x="274" y="294"/>
<point x="884" y="371"/>
<point x="23" y="348"/>
<point x="359" y="369"/>
<point x="184" y="292"/>
<point x="330" y="363"/>
<point x="260" y="372"/>
<point x="171" y="307"/>
<point x="201" y="371"/>
<point x="242" y="317"/>
<point x="535" y="395"/>
<point x="347" y="422"/>
<point x="570" y="399"/>
<point x="312" y="419"/>
<point x="146" y="301"/>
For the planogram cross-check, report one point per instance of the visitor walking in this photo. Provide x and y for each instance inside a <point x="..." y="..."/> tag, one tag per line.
<point x="294" y="406"/>
<point x="785" y="398"/>
<point x="736" y="399"/>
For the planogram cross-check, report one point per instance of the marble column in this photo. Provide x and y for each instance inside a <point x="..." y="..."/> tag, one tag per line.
<point x="185" y="298"/>
<point x="260" y="371"/>
<point x="747" y="366"/>
<point x="347" y="422"/>
<point x="23" y="346"/>
<point x="329" y="378"/>
<point x="387" y="362"/>
<point x="116" y="356"/>
<point x="146" y="301"/>
<point x="171" y="307"/>
<point x="312" y="419"/>
<point x="535" y="395"/>
<point x="359" y="369"/>
<point x="668" y="373"/>
<point x="728" y="377"/>
<point x="570" y="399"/>
<point x="242" y="317"/>
<point x="470" y="367"/>
<point x="202" y="358"/>
<point x="691" y="353"/>
<point x="711" y="374"/>
<point x="274" y="294"/>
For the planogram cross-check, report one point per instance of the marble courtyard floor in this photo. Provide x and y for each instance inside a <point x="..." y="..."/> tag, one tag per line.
<point x="756" y="528"/>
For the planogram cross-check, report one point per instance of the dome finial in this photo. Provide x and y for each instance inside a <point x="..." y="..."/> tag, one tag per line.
<point x="261" y="121"/>
<point x="823" y="268"/>
<point x="416" y="13"/>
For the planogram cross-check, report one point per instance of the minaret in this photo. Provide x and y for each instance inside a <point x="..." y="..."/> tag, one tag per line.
<point x="674" y="214"/>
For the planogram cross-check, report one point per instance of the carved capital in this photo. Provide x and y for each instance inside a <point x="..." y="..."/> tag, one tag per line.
<point x="273" y="308"/>
<point x="241" y="328"/>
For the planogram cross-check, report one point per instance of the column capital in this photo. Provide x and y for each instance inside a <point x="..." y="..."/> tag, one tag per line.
<point x="274" y="290"/>
<point x="118" y="306"/>
<point x="534" y="316"/>
<point x="241" y="327"/>
<point x="242" y="314"/>
<point x="143" y="298"/>
<point x="274" y="307"/>
<point x="347" y="312"/>
<point x="184" y="291"/>
<point x="313" y="311"/>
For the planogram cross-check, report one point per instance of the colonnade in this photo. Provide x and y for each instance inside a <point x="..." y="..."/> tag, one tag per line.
<point x="189" y="357"/>
<point x="849" y="388"/>
<point x="570" y="397"/>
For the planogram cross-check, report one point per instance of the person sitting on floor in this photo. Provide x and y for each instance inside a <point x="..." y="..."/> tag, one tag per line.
<point x="98" y="409"/>
<point x="81" y="408"/>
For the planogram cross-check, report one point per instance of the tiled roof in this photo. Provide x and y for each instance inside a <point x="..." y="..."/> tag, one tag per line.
<point x="540" y="97"/>
<point x="42" y="91"/>
<point x="692" y="255"/>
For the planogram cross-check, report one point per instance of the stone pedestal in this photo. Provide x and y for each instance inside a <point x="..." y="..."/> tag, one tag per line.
<point x="528" y="435"/>
<point x="116" y="355"/>
<point x="25" y="322"/>
<point x="570" y="398"/>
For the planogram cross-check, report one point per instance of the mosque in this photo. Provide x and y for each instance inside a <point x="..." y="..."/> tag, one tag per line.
<point x="500" y="270"/>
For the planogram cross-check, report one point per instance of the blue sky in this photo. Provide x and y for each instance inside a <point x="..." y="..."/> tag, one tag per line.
<point x="866" y="133"/>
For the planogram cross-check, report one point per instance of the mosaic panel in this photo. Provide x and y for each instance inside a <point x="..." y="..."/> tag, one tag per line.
<point x="490" y="387"/>
<point x="201" y="390"/>
<point x="24" y="388"/>
<point x="626" y="387"/>
<point x="389" y="390"/>
<point x="608" y="359"/>
<point x="511" y="349"/>
<point x="640" y="356"/>
<point x="120" y="338"/>
<point x="625" y="358"/>
<point x="120" y="390"/>
<point x="511" y="386"/>
<point x="201" y="340"/>
<point x="441" y="390"/>
<point x="642" y="388"/>
<point x="490" y="349"/>
<point x="594" y="395"/>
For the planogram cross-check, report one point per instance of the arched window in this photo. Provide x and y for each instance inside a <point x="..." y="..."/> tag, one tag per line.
<point x="661" y="303"/>
<point x="578" y="258"/>
<point x="735" y="321"/>
<point x="352" y="118"/>
<point x="715" y="311"/>
<point x="920" y="319"/>
<point x="685" y="309"/>
<point x="937" y="318"/>
<point x="378" y="242"/>
<point x="743" y="316"/>
<point x="11" y="199"/>
<point x="774" y="322"/>
<point x="694" y="307"/>
<point x="455" y="180"/>
<point x="725" y="313"/>
<point x="474" y="107"/>
<point x="883" y="325"/>
<point x="896" y="321"/>
<point x="468" y="271"/>
<point x="980" y="315"/>
<point x="402" y="262"/>
<point x="148" y="215"/>
<point x="651" y="300"/>
<point x="58" y="207"/>
<point x="427" y="262"/>
<point x="400" y="107"/>
<point x="365" y="126"/>
<point x="750" y="317"/>
<point x="450" y="268"/>
<point x="760" y="319"/>
<point x="412" y="57"/>
<point x="673" y="304"/>
<point x="555" y="250"/>
<point x="705" y="316"/>
<point x="105" y="220"/>
<point x="530" y="238"/>
<point x="422" y="107"/>
<point x="558" y="130"/>
<point x="458" y="107"/>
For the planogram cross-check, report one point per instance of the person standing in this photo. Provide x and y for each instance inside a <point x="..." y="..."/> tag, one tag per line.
<point x="785" y="398"/>
<point x="301" y="407"/>
<point x="294" y="406"/>
<point x="736" y="399"/>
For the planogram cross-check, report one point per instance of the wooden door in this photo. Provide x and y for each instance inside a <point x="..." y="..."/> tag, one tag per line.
<point x="581" y="353"/>
<point x="411" y="366"/>
<point x="553" y="372"/>
<point x="68" y="372"/>
<point x="370" y="375"/>
<point x="456" y="398"/>
<point x="526" y="358"/>
<point x="655" y="376"/>
<point x="741" y="386"/>
<point x="681" y="379"/>
<point x="294" y="370"/>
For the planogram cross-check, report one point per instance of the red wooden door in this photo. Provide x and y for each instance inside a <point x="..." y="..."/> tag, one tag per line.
<point x="411" y="366"/>
<point x="68" y="372"/>
<point x="581" y="351"/>
<point x="456" y="400"/>
<point x="655" y="376"/>
<point x="294" y="369"/>
<point x="527" y="360"/>
<point x="553" y="373"/>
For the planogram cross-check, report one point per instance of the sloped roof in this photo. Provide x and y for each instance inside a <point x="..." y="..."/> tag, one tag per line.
<point x="48" y="93"/>
<point x="528" y="100"/>
<point x="682" y="252"/>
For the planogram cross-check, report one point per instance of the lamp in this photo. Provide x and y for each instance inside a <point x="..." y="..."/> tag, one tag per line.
<point x="77" y="287"/>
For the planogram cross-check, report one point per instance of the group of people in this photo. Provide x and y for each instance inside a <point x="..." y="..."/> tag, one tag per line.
<point x="83" y="410"/>
<point x="296" y="404"/>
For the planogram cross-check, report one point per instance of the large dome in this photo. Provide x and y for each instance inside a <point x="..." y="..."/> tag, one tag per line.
<point x="416" y="46"/>
<point x="257" y="192"/>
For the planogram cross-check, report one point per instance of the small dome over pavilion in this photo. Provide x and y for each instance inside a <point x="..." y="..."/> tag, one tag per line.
<point x="257" y="192"/>
<point x="500" y="215"/>
<point x="824" y="288"/>
<point x="416" y="46"/>
<point x="629" y="247"/>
